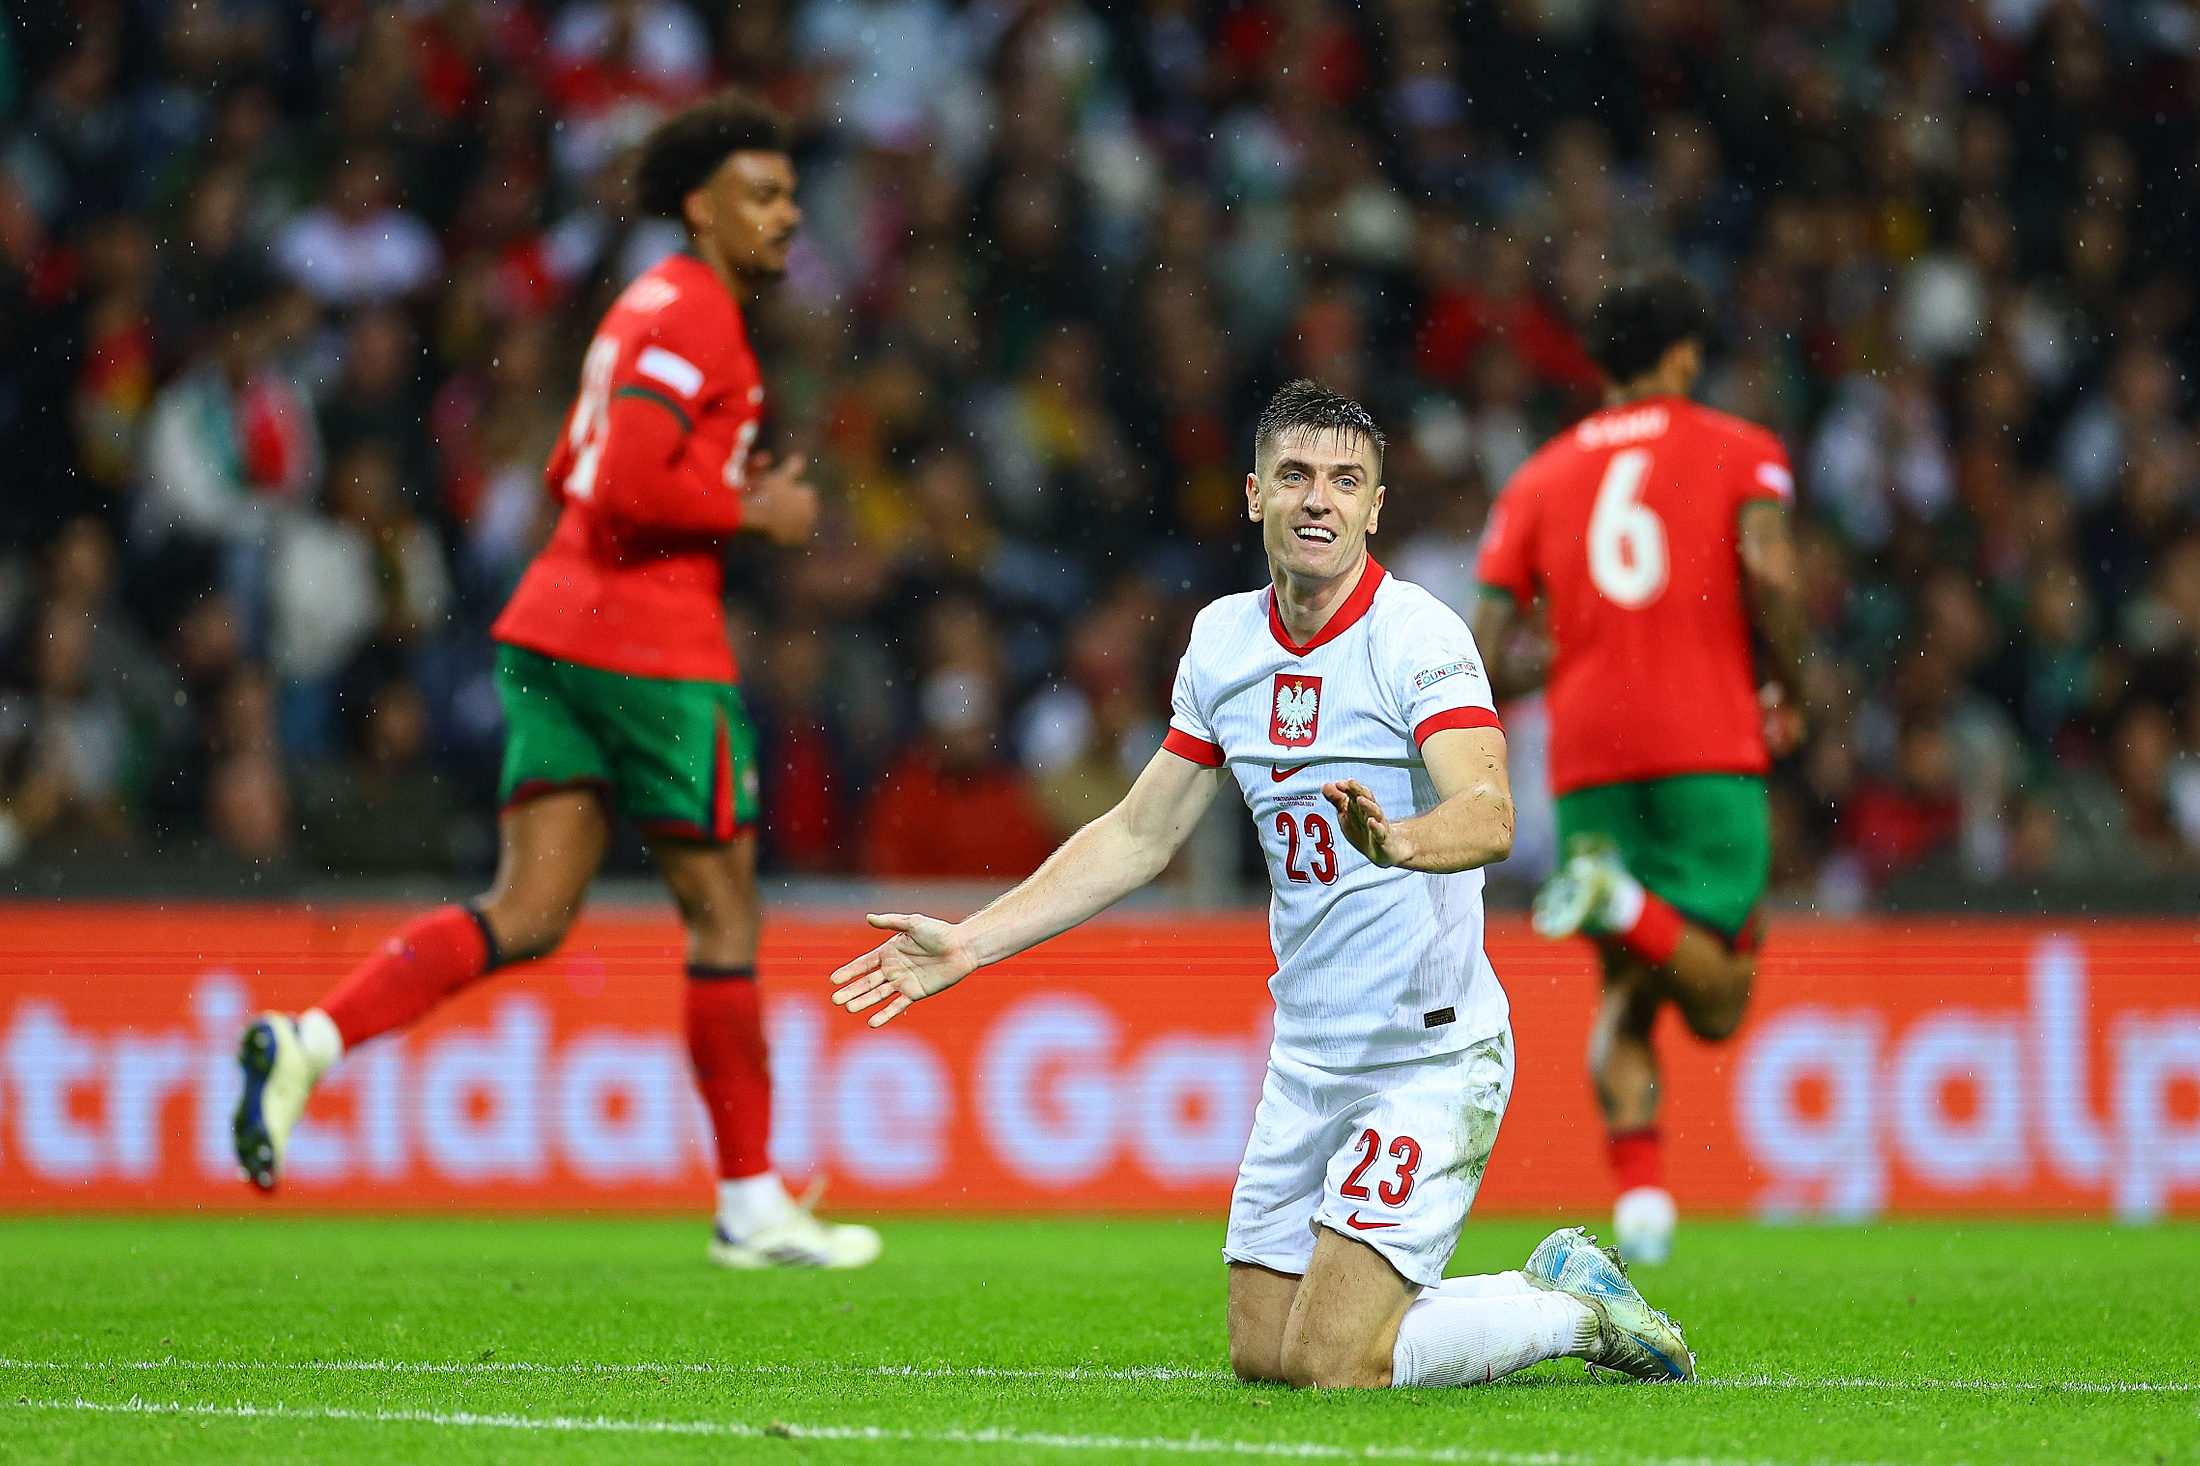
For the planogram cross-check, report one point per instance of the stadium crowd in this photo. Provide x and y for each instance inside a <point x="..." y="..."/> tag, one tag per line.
<point x="292" y="297"/>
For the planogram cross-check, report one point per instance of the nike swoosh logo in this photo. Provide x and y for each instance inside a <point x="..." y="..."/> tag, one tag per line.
<point x="1279" y="775"/>
<point x="1357" y="1225"/>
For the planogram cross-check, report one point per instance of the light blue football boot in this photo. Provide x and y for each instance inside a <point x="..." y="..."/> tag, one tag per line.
<point x="1633" y="1338"/>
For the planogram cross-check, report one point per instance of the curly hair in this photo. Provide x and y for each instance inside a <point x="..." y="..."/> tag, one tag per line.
<point x="686" y="148"/>
<point x="1639" y="319"/>
<point x="1306" y="403"/>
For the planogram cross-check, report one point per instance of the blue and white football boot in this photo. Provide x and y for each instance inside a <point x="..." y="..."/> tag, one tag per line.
<point x="278" y="1080"/>
<point x="796" y="1240"/>
<point x="1633" y="1339"/>
<point x="1578" y="896"/>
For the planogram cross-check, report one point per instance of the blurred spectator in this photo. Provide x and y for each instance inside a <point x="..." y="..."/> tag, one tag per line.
<point x="230" y="446"/>
<point x="114" y="383"/>
<point x="378" y="397"/>
<point x="493" y="428"/>
<point x="358" y="246"/>
<point x="382" y="809"/>
<point x="2136" y="403"/>
<point x="949" y="807"/>
<point x="64" y="746"/>
<point x="71" y="152"/>
<point x="806" y="776"/>
<point x="617" y="68"/>
<point x="365" y="572"/>
<point x="1896" y="824"/>
<point x="1086" y="740"/>
<point x="248" y="808"/>
<point x="894" y="71"/>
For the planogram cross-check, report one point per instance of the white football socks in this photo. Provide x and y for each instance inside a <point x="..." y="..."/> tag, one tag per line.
<point x="1483" y="1285"/>
<point x="324" y="1046"/>
<point x="1446" y="1341"/>
<point x="751" y="1204"/>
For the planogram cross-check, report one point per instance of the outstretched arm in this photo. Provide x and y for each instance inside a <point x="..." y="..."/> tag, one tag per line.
<point x="1472" y="827"/>
<point x="1095" y="868"/>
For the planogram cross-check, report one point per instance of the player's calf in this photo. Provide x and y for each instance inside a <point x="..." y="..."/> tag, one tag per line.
<point x="1259" y="1308"/>
<point x="524" y="929"/>
<point x="1343" y="1326"/>
<point x="1710" y="984"/>
<point x="1623" y="1066"/>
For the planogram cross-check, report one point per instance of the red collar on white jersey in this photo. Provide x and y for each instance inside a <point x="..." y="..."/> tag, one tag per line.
<point x="1340" y="621"/>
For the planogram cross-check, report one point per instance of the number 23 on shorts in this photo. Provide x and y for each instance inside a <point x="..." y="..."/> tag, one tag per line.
<point x="1404" y="1150"/>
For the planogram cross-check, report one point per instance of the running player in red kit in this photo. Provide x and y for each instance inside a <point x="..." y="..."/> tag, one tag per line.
<point x="1654" y="535"/>
<point x="618" y="686"/>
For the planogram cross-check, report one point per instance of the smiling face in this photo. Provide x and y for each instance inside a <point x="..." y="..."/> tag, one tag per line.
<point x="745" y="214"/>
<point x="1316" y="497"/>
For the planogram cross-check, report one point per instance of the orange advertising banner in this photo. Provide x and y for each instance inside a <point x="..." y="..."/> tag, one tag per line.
<point x="1890" y="1066"/>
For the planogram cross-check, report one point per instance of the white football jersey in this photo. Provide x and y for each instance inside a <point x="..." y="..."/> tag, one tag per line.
<point x="1373" y="966"/>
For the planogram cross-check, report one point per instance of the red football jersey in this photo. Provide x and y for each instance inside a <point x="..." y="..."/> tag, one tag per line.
<point x="650" y="468"/>
<point x="1626" y="525"/>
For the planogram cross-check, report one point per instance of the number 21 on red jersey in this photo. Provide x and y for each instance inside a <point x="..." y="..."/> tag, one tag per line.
<point x="591" y="416"/>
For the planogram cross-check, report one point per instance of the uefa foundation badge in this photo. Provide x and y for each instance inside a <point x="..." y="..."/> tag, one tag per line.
<point x="1296" y="711"/>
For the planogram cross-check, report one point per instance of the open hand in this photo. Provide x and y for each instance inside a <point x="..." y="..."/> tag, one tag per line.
<point x="1366" y="828"/>
<point x="920" y="959"/>
<point x="777" y="504"/>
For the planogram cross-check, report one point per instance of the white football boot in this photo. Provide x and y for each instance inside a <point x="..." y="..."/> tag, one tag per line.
<point x="796" y="1240"/>
<point x="1577" y="897"/>
<point x="1633" y="1339"/>
<point x="1643" y="1221"/>
<point x="278" y="1080"/>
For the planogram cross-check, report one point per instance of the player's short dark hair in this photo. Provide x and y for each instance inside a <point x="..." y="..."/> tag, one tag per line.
<point x="1637" y="320"/>
<point x="686" y="148"/>
<point x="1306" y="403"/>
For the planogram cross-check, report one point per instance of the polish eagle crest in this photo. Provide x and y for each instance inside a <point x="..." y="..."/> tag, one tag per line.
<point x="1297" y="710"/>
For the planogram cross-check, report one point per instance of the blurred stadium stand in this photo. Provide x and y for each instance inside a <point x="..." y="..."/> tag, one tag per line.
<point x="292" y="294"/>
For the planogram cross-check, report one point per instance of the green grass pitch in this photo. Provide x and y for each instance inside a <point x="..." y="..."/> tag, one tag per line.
<point x="144" y="1340"/>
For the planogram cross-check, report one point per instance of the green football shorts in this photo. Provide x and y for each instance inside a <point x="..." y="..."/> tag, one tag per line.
<point x="678" y="758"/>
<point x="1702" y="841"/>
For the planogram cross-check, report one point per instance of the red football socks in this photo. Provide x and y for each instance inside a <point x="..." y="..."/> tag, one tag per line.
<point x="430" y="958"/>
<point x="725" y="1033"/>
<point x="1655" y="933"/>
<point x="1638" y="1157"/>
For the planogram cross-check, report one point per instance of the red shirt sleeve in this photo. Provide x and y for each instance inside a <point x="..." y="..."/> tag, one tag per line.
<point x="657" y="473"/>
<point x="1762" y="471"/>
<point x="683" y="413"/>
<point x="1503" y="560"/>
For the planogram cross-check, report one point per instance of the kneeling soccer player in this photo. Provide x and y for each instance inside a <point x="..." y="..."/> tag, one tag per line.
<point x="618" y="685"/>
<point x="1331" y="695"/>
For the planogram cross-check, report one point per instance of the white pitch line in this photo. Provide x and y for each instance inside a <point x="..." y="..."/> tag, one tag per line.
<point x="2048" y="1387"/>
<point x="741" y="1430"/>
<point x="462" y="1367"/>
<point x="1068" y="1373"/>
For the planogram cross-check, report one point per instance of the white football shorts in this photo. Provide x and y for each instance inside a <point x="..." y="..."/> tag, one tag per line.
<point x="1391" y="1155"/>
